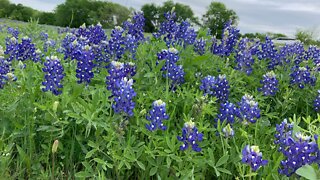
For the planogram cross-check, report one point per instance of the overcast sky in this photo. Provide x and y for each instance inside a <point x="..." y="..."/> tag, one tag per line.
<point x="278" y="16"/>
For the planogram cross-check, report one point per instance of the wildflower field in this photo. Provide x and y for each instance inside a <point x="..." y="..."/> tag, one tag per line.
<point x="177" y="104"/>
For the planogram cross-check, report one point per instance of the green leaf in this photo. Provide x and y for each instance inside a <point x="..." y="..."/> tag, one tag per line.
<point x="168" y="161"/>
<point x="149" y="75"/>
<point x="307" y="172"/>
<point x="224" y="171"/>
<point x="222" y="160"/>
<point x="141" y="165"/>
<point x="83" y="174"/>
<point x="153" y="171"/>
<point x="90" y="153"/>
<point x="99" y="161"/>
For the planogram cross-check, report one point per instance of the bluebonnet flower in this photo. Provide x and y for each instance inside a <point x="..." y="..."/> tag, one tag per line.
<point x="228" y="42"/>
<point x="116" y="43"/>
<point x="190" y="137"/>
<point x="11" y="48"/>
<point x="130" y="69"/>
<point x="185" y="35"/>
<point x="301" y="76"/>
<point x="156" y="116"/>
<point x="4" y="68"/>
<point x="123" y="97"/>
<point x="284" y="132"/>
<point x="218" y="87"/>
<point x="131" y="45"/>
<point x="316" y="102"/>
<point x="44" y="36"/>
<point x="135" y="26"/>
<point x="252" y="156"/>
<point x="200" y="46"/>
<point x="298" y="150"/>
<point x="54" y="75"/>
<point x="269" y="52"/>
<point x="228" y="112"/>
<point x="243" y="56"/>
<point x="175" y="34"/>
<point x="249" y="109"/>
<point x="228" y="131"/>
<point x="118" y="71"/>
<point x="313" y="54"/>
<point x="26" y="50"/>
<point x="49" y="43"/>
<point x="170" y="68"/>
<point x="291" y="52"/>
<point x="14" y="32"/>
<point x="96" y="34"/>
<point x="67" y="46"/>
<point x="85" y="65"/>
<point x="167" y="28"/>
<point x="269" y="84"/>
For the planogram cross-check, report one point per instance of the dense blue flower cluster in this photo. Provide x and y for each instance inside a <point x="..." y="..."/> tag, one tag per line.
<point x="54" y="75"/>
<point x="4" y="68"/>
<point x="200" y="46"/>
<point x="185" y="35"/>
<point x="156" y="116"/>
<point x="190" y="137"/>
<point x="252" y="156"/>
<point x="269" y="53"/>
<point x="249" y="109"/>
<point x="27" y="50"/>
<point x="118" y="71"/>
<point x="67" y="45"/>
<point x="229" y="39"/>
<point x="244" y="58"/>
<point x="135" y="26"/>
<point x="228" y="112"/>
<point x="269" y="84"/>
<point x="117" y="43"/>
<point x="175" y="34"/>
<point x="123" y="97"/>
<point x="298" y="150"/>
<point x="313" y="54"/>
<point x="11" y="48"/>
<point x="316" y="103"/>
<point x="301" y="76"/>
<point x="218" y="87"/>
<point x="85" y="65"/>
<point x="170" y="68"/>
<point x="290" y="52"/>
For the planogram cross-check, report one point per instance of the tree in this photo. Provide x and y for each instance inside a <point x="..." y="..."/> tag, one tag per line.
<point x="74" y="13"/>
<point x="308" y="37"/>
<point x="4" y="6"/>
<point x="216" y="16"/>
<point x="151" y="14"/>
<point x="46" y="18"/>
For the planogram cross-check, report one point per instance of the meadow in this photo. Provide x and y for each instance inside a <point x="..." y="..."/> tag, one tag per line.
<point x="88" y="103"/>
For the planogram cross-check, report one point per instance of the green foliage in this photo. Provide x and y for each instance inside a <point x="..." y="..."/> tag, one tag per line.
<point x="308" y="37"/>
<point x="262" y="36"/>
<point x="96" y="143"/>
<point x="216" y="16"/>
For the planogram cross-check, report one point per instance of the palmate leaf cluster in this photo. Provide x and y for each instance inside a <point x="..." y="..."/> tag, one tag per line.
<point x="95" y="142"/>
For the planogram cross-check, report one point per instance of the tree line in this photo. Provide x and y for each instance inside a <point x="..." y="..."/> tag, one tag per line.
<point x="73" y="13"/>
